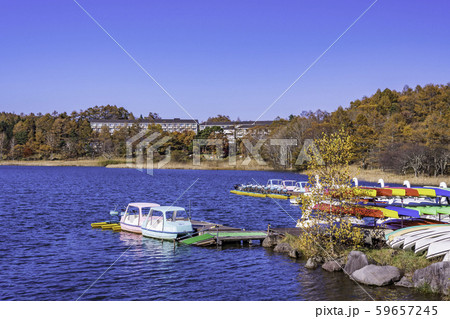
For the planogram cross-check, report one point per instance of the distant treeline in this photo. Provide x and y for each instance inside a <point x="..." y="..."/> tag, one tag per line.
<point x="407" y="131"/>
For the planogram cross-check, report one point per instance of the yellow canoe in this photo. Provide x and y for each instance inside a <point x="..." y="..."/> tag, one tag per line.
<point x="109" y="226"/>
<point x="117" y="228"/>
<point x="277" y="196"/>
<point x="247" y="193"/>
<point x="426" y="192"/>
<point x="388" y="212"/>
<point x="98" y="225"/>
<point x="398" y="192"/>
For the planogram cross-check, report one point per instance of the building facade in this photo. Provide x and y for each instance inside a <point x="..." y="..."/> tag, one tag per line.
<point x="168" y="125"/>
<point x="233" y="130"/>
<point x="236" y="130"/>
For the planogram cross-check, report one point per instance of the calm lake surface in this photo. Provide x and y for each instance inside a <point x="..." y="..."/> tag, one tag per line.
<point x="50" y="252"/>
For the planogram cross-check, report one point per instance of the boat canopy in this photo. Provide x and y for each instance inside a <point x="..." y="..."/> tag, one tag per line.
<point x="143" y="205"/>
<point x="165" y="209"/>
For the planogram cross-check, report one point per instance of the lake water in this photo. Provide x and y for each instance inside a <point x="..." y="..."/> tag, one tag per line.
<point x="50" y="252"/>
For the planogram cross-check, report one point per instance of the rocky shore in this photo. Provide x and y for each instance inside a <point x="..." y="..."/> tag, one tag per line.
<point x="362" y="269"/>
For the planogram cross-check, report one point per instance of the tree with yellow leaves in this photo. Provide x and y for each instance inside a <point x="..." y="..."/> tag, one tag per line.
<point x="327" y="226"/>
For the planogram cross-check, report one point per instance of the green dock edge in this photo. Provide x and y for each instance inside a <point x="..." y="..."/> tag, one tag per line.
<point x="193" y="240"/>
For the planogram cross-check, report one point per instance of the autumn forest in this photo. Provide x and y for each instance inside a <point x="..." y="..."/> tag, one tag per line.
<point x="404" y="131"/>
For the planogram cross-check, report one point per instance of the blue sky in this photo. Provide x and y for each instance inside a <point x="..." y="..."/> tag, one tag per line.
<point x="227" y="57"/>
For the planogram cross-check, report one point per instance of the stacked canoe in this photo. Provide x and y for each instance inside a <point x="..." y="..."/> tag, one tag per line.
<point x="406" y="192"/>
<point x="369" y="210"/>
<point x="435" y="239"/>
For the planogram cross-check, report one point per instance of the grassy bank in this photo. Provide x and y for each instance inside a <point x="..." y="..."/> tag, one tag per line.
<point x="78" y="162"/>
<point x="373" y="175"/>
<point x="204" y="165"/>
<point x="405" y="260"/>
<point x="121" y="163"/>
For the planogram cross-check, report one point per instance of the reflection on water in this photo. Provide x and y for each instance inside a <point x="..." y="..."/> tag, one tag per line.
<point x="54" y="254"/>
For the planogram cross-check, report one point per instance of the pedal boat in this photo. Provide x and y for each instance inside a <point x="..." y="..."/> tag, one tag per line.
<point x="167" y="222"/>
<point x="134" y="216"/>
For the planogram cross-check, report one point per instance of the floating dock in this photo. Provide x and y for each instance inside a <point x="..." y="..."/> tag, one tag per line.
<point x="210" y="234"/>
<point x="219" y="238"/>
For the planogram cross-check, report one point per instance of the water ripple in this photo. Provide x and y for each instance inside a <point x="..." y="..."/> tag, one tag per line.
<point x="50" y="252"/>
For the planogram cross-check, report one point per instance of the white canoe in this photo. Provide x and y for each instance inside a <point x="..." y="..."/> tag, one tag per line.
<point x="411" y="240"/>
<point x="404" y="238"/>
<point x="401" y="232"/>
<point x="438" y="249"/>
<point x="424" y="244"/>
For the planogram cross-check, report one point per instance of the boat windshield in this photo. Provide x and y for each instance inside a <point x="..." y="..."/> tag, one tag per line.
<point x="300" y="184"/>
<point x="146" y="211"/>
<point x="289" y="183"/>
<point x="132" y="211"/>
<point x="176" y="214"/>
<point x="154" y="219"/>
<point x="271" y="182"/>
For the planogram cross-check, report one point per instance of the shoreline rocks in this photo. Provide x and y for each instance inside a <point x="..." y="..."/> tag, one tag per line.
<point x="406" y="282"/>
<point x="284" y="248"/>
<point x="355" y="261"/>
<point x="436" y="277"/>
<point x="271" y="241"/>
<point x="333" y="265"/>
<point x="311" y="263"/>
<point x="361" y="269"/>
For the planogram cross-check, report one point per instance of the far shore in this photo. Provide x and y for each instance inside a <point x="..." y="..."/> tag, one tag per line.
<point x="369" y="175"/>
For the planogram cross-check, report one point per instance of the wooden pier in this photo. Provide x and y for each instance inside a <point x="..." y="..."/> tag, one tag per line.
<point x="210" y="234"/>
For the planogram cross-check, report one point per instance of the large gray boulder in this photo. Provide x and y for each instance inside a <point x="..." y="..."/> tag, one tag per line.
<point x="355" y="260"/>
<point x="436" y="276"/>
<point x="333" y="265"/>
<point x="377" y="275"/>
<point x="271" y="241"/>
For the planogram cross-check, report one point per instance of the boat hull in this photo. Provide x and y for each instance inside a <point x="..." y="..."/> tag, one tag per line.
<point x="131" y="228"/>
<point x="162" y="234"/>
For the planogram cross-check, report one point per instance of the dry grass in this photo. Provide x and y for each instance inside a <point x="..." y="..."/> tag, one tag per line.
<point x="365" y="175"/>
<point x="53" y="163"/>
<point x="78" y="162"/>
<point x="204" y="165"/>
<point x="373" y="175"/>
<point x="121" y="163"/>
